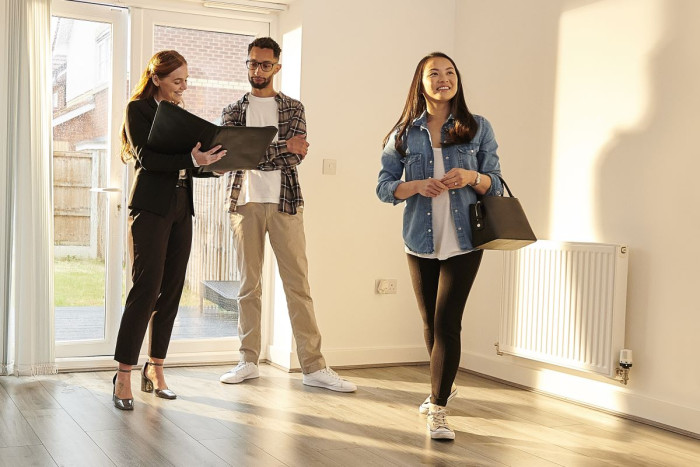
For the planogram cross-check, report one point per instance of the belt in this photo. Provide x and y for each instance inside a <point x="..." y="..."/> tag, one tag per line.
<point x="182" y="183"/>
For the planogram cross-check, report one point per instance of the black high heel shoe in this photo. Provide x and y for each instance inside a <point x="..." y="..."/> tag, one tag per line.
<point x="121" y="404"/>
<point x="148" y="386"/>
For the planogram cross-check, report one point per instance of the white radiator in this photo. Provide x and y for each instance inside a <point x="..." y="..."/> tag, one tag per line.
<point x="564" y="304"/>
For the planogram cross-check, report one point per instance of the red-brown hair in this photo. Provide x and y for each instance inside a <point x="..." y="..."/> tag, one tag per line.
<point x="161" y="64"/>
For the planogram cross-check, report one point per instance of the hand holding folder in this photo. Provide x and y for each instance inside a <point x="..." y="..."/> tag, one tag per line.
<point x="177" y="131"/>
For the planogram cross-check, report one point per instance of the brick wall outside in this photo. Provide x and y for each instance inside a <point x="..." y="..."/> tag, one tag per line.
<point x="88" y="126"/>
<point x="216" y="65"/>
<point x="218" y="77"/>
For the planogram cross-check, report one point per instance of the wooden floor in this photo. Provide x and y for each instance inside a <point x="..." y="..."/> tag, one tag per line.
<point x="69" y="420"/>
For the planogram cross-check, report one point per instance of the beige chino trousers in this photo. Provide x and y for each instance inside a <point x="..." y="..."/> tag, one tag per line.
<point x="286" y="232"/>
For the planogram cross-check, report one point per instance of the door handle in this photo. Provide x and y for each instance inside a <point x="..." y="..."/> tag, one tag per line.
<point x="106" y="189"/>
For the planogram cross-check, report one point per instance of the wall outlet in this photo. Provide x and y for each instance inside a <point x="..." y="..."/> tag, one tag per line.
<point x="385" y="286"/>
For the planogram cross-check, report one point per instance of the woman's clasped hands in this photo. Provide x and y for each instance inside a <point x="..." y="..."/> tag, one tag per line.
<point x="431" y="187"/>
<point x="455" y="178"/>
<point x="458" y="178"/>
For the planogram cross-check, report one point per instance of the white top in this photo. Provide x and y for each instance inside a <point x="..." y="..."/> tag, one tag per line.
<point x="261" y="186"/>
<point x="444" y="231"/>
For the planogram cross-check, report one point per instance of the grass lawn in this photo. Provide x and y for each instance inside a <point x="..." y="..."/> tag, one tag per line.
<point x="81" y="282"/>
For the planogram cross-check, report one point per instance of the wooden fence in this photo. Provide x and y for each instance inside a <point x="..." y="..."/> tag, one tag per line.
<point x="213" y="254"/>
<point x="78" y="213"/>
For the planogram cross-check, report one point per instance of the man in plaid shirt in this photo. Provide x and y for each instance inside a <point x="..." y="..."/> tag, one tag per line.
<point x="268" y="201"/>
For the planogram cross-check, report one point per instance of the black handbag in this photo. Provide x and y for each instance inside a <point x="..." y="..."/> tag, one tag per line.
<point x="499" y="223"/>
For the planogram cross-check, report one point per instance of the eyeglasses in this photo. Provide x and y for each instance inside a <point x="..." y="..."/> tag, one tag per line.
<point x="253" y="65"/>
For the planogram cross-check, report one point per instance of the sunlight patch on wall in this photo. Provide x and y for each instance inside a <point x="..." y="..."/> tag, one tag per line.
<point x="602" y="88"/>
<point x="291" y="63"/>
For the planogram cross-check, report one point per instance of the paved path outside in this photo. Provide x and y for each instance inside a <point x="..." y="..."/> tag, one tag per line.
<point x="83" y="323"/>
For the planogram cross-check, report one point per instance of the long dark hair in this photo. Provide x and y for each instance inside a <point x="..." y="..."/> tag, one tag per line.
<point x="465" y="126"/>
<point x="161" y="64"/>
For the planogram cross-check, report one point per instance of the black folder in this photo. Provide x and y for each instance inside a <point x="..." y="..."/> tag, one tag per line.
<point x="177" y="131"/>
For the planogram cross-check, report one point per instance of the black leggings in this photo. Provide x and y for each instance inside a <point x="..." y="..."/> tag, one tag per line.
<point x="442" y="288"/>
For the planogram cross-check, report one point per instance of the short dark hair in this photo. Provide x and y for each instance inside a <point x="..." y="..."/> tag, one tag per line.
<point x="266" y="43"/>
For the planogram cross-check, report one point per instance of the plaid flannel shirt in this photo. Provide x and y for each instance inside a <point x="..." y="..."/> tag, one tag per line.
<point x="291" y="122"/>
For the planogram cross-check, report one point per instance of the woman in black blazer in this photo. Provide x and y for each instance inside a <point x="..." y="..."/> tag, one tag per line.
<point x="160" y="228"/>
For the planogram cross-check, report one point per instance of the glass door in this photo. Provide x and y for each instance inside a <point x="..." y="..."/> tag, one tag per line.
<point x="89" y="94"/>
<point x="215" y="50"/>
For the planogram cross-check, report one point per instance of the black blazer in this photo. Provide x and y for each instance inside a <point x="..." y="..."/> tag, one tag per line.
<point x="156" y="174"/>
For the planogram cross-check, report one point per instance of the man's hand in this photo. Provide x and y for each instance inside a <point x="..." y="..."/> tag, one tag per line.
<point x="208" y="157"/>
<point x="298" y="145"/>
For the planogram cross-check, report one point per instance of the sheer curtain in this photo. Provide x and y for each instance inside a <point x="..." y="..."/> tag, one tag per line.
<point x="26" y="230"/>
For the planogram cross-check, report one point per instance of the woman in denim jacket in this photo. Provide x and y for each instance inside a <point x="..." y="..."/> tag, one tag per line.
<point x="447" y="157"/>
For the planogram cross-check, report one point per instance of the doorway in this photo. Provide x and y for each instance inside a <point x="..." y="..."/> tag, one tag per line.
<point x="93" y="48"/>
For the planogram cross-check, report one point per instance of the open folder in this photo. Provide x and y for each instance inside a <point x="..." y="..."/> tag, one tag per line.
<point x="177" y="131"/>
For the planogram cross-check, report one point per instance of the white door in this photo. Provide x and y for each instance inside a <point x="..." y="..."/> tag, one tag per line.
<point x="89" y="57"/>
<point x="215" y="49"/>
<point x="97" y="51"/>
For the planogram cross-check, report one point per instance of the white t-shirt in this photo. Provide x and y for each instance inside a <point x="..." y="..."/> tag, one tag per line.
<point x="444" y="232"/>
<point x="261" y="186"/>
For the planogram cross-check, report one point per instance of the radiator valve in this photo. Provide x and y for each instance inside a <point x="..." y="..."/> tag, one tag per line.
<point x="622" y="373"/>
<point x="498" y="349"/>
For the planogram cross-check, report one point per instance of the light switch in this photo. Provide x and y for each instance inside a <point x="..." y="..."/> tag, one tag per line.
<point x="329" y="166"/>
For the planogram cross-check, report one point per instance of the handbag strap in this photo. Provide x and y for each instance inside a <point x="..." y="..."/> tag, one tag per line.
<point x="506" y="186"/>
<point x="478" y="196"/>
<point x="476" y="210"/>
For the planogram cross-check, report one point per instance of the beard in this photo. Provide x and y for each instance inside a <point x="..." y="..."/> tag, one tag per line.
<point x="261" y="85"/>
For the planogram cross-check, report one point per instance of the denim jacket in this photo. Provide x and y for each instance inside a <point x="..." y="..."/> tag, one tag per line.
<point x="479" y="154"/>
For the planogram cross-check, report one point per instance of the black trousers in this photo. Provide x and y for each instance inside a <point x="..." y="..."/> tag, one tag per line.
<point x="442" y="288"/>
<point x="161" y="249"/>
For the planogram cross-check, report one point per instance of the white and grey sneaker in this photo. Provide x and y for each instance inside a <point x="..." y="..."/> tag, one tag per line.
<point x="425" y="406"/>
<point x="437" y="423"/>
<point x="241" y="372"/>
<point x="328" y="379"/>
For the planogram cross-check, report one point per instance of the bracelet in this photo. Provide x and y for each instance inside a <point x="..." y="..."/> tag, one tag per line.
<point x="478" y="179"/>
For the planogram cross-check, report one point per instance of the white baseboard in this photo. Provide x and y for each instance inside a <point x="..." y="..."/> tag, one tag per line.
<point x="608" y="395"/>
<point x="339" y="358"/>
<point x="373" y="356"/>
<point x="107" y="362"/>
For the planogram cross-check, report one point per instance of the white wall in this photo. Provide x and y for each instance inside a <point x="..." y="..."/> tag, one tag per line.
<point x="593" y="105"/>
<point x="355" y="77"/>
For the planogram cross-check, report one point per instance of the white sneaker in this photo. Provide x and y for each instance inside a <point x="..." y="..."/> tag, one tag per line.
<point x="328" y="379"/>
<point x="437" y="423"/>
<point x="241" y="372"/>
<point x="425" y="406"/>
